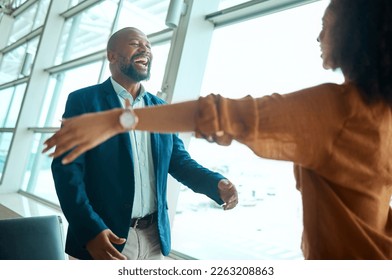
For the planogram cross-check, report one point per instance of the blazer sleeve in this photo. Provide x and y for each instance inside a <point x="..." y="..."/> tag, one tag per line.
<point x="70" y="186"/>
<point x="191" y="174"/>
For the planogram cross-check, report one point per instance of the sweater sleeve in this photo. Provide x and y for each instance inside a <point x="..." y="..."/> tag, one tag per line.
<point x="298" y="127"/>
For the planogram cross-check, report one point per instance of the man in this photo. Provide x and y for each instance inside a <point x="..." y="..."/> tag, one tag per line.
<point x="114" y="196"/>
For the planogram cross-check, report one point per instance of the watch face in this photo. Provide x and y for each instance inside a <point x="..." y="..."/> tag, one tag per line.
<point x="127" y="119"/>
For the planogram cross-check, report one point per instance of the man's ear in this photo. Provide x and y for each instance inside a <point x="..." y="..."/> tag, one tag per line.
<point x="111" y="56"/>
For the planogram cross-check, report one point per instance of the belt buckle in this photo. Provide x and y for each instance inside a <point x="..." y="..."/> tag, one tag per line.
<point x="136" y="223"/>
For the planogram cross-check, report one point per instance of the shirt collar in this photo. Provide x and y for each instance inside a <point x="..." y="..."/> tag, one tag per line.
<point x="120" y="89"/>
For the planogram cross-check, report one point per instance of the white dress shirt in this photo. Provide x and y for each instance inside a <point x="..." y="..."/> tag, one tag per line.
<point x="144" y="202"/>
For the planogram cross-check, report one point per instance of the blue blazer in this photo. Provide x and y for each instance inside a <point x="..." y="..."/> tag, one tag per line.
<point x="96" y="191"/>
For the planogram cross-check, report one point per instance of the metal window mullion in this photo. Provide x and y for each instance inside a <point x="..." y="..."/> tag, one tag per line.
<point x="48" y="129"/>
<point x="160" y="37"/>
<point x="22" y="8"/>
<point x="77" y="62"/>
<point x="23" y="40"/>
<point x="252" y="9"/>
<point x="7" y="129"/>
<point x="79" y="8"/>
<point x="14" y="83"/>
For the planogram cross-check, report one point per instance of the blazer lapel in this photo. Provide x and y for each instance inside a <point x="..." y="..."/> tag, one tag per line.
<point x="111" y="95"/>
<point x="114" y="102"/>
<point x="155" y="141"/>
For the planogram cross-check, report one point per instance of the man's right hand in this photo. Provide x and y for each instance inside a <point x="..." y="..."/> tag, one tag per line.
<point x="101" y="248"/>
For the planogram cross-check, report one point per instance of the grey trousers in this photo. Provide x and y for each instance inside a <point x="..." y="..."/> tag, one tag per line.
<point x="143" y="244"/>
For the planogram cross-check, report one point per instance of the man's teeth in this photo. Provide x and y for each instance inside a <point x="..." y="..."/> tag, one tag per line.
<point x="143" y="61"/>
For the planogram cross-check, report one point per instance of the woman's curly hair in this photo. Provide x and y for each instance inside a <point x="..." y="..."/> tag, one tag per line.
<point x="362" y="45"/>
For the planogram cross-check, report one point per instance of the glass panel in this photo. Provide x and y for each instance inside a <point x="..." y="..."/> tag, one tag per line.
<point x="87" y="32"/>
<point x="74" y="3"/>
<point x="62" y="84"/>
<point x="16" y="63"/>
<point x="11" y="100"/>
<point x="29" y="58"/>
<point x="275" y="53"/>
<point x="23" y="24"/>
<point x="5" y="142"/>
<point x="160" y="53"/>
<point x="11" y="64"/>
<point x="148" y="16"/>
<point x="38" y="176"/>
<point x="18" y="3"/>
<point x="43" y="6"/>
<point x="30" y="19"/>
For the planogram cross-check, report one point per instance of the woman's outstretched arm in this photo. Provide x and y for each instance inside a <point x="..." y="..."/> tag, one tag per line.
<point x="84" y="132"/>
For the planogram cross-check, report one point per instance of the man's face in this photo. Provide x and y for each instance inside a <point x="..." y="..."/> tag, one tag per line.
<point x="134" y="56"/>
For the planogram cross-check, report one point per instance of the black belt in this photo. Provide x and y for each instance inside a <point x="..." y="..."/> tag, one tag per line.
<point x="144" y="222"/>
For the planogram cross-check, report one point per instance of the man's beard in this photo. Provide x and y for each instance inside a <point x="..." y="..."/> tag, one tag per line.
<point x="130" y="71"/>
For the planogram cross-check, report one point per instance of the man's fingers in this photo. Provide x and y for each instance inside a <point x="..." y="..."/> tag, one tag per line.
<point x="224" y="184"/>
<point x="232" y="203"/>
<point x="117" y="240"/>
<point x="119" y="256"/>
<point x="116" y="255"/>
<point x="113" y="251"/>
<point x="228" y="194"/>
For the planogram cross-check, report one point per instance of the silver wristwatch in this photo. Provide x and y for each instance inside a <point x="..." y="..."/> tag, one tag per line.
<point x="128" y="118"/>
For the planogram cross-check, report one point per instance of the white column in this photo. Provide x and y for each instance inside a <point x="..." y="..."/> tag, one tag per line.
<point x="185" y="66"/>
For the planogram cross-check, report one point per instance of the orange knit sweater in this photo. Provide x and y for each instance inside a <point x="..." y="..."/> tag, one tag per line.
<point x="342" y="152"/>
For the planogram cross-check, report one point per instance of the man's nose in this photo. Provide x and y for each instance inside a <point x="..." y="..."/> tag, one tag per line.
<point x="144" y="48"/>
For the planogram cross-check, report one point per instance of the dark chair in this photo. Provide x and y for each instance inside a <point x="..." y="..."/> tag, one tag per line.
<point x="32" y="238"/>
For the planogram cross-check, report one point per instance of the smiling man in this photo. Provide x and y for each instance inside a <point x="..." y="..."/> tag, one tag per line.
<point x="114" y="196"/>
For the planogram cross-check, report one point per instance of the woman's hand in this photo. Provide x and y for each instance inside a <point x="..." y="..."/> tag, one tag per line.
<point x="82" y="133"/>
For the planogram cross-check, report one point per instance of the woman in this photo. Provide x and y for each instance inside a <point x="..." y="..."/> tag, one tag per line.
<point x="338" y="136"/>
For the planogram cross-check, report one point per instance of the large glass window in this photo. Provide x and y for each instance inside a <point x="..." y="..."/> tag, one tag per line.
<point x="17" y="62"/>
<point x="11" y="100"/>
<point x="5" y="142"/>
<point x="9" y="110"/>
<point x="148" y="16"/>
<point x="63" y="83"/>
<point x="38" y="177"/>
<point x="87" y="32"/>
<point x="275" y="53"/>
<point x="29" y="20"/>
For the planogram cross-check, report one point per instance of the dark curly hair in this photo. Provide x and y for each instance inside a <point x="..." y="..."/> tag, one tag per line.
<point x="362" y="45"/>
